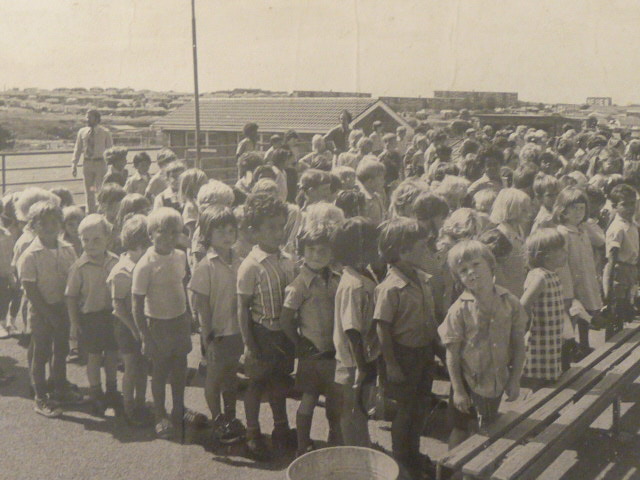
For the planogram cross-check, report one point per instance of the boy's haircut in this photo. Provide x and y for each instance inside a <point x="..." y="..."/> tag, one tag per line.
<point x="354" y="136"/>
<point x="190" y="182"/>
<point x="313" y="178"/>
<point x="132" y="203"/>
<point x="353" y="241"/>
<point x="596" y="198"/>
<point x="274" y="139"/>
<point x="351" y="202"/>
<point x="469" y="146"/>
<point x="323" y="213"/>
<point x="315" y="234"/>
<point x="567" y="197"/>
<point x="540" y="243"/>
<point x="397" y="236"/>
<point x="428" y="205"/>
<point x="610" y="182"/>
<point x="484" y="199"/>
<point x="134" y="233"/>
<point x="443" y="152"/>
<point x="335" y="184"/>
<point x="249" y="129"/>
<point x="115" y="153"/>
<point x="164" y="218"/>
<point x="28" y="197"/>
<point x="485" y="154"/>
<point x="387" y="138"/>
<point x="318" y="143"/>
<point x="404" y="196"/>
<point x="497" y="242"/>
<point x="265" y="185"/>
<point x="94" y="220"/>
<point x="466" y="251"/>
<point x="212" y="218"/>
<point x="215" y="192"/>
<point x="631" y="174"/>
<point x="65" y="196"/>
<point x="280" y="156"/>
<point x="544" y="183"/>
<point x="344" y="173"/>
<point x="165" y="157"/>
<point x="453" y="189"/>
<point x="72" y="212"/>
<point x="365" y="145"/>
<point x="111" y="193"/>
<point x="175" y="166"/>
<point x="510" y="205"/>
<point x="263" y="171"/>
<point x="461" y="224"/>
<point x="141" y="157"/>
<point x="550" y="160"/>
<point x="622" y="193"/>
<point x="290" y="135"/>
<point x="524" y="175"/>
<point x="471" y="168"/>
<point x="565" y="146"/>
<point x="248" y="162"/>
<point x="42" y="209"/>
<point x="530" y="153"/>
<point x="261" y="207"/>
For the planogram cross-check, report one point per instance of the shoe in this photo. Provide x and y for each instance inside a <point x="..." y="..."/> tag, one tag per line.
<point x="233" y="431"/>
<point x="45" y="407"/>
<point x="67" y="396"/>
<point x="113" y="399"/>
<point x="98" y="404"/>
<point x="284" y="439"/>
<point x="74" y="356"/>
<point x="164" y="429"/>
<point x="257" y="449"/>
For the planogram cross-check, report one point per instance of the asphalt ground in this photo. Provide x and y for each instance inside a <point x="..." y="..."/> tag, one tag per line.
<point x="79" y="445"/>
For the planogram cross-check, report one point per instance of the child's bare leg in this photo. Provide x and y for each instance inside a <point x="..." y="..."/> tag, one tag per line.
<point x="161" y="369"/>
<point x="353" y="421"/>
<point x="278" y="403"/>
<point x="304" y="419"/>
<point x="94" y="363"/>
<point x="252" y="407"/>
<point x="400" y="432"/>
<point x="129" y="381"/>
<point x="212" y="389"/>
<point x="333" y="402"/>
<point x="178" y="384"/>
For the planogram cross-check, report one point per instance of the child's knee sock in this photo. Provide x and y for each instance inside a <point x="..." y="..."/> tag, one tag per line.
<point x="583" y="333"/>
<point x="140" y="381"/>
<point x="178" y="383"/>
<point x="252" y="407"/>
<point x="303" y="430"/>
<point x="229" y="399"/>
<point x="278" y="405"/>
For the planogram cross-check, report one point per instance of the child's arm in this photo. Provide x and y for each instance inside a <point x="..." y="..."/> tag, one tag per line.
<point x="607" y="274"/>
<point x="357" y="347"/>
<point x="121" y="310"/>
<point x="33" y="294"/>
<point x="139" y="318"/>
<point x="244" y="317"/>
<point x="289" y="326"/>
<point x="203" y="308"/>
<point x="461" y="398"/>
<point x="73" y="307"/>
<point x="394" y="372"/>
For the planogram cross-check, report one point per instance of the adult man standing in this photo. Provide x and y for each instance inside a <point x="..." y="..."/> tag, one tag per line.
<point x="91" y="143"/>
<point x="337" y="138"/>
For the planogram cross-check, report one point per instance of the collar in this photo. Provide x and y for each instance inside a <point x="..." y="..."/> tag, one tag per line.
<point x="467" y="296"/>
<point x="212" y="254"/>
<point x="397" y="278"/>
<point x="260" y="255"/>
<point x="36" y="244"/>
<point x="569" y="228"/>
<point x="308" y="276"/>
<point x="126" y="263"/>
<point x="84" y="259"/>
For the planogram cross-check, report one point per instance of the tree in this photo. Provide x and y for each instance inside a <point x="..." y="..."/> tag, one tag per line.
<point x="6" y="139"/>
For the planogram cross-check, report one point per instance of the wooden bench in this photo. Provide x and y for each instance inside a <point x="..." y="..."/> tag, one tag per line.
<point x="525" y="440"/>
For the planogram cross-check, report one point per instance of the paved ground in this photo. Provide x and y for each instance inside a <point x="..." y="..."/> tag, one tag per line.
<point x="80" y="446"/>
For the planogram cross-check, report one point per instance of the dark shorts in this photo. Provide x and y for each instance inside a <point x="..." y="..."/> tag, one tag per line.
<point x="275" y="356"/>
<point x="483" y="409"/>
<point x="417" y="364"/>
<point x="127" y="343"/>
<point x="316" y="376"/>
<point x="97" y="332"/>
<point x="169" y="338"/>
<point x="223" y="358"/>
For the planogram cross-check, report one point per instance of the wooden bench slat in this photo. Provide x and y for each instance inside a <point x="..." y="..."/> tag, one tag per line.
<point x="545" y="414"/>
<point x="531" y="459"/>
<point x="458" y="456"/>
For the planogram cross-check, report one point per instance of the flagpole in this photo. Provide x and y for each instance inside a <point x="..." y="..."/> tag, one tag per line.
<point x="196" y="92"/>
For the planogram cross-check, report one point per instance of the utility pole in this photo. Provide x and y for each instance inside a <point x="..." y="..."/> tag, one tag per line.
<point x="196" y="92"/>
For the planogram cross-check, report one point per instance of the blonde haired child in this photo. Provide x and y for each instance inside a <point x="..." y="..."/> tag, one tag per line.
<point x="511" y="212"/>
<point x="454" y="190"/>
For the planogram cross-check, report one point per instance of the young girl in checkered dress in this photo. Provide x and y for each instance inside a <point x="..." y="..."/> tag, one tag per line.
<point x="544" y="301"/>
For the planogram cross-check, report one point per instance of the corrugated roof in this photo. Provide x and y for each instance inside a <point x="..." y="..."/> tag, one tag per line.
<point x="305" y="115"/>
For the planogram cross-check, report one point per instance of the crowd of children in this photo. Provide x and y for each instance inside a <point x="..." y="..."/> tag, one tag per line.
<point x="494" y="255"/>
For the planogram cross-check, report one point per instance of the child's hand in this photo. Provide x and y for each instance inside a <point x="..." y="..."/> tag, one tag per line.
<point x="512" y="390"/>
<point x="462" y="401"/>
<point x="394" y="373"/>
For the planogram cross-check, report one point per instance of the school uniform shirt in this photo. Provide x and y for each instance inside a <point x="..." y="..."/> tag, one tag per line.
<point x="264" y="276"/>
<point x="313" y="297"/>
<point x="373" y="206"/>
<point x="88" y="281"/>
<point x="160" y="279"/>
<point x="21" y="245"/>
<point x="407" y="306"/>
<point x="120" y="279"/>
<point x="486" y="339"/>
<point x="623" y="235"/>
<point x="216" y="279"/>
<point x="354" y="309"/>
<point x="582" y="267"/>
<point x="157" y="184"/>
<point x="137" y="183"/>
<point x="47" y="267"/>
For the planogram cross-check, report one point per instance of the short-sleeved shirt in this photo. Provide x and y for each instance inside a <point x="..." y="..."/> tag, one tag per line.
<point x="216" y="279"/>
<point x="88" y="281"/>
<point x="373" y="206"/>
<point x="486" y="339"/>
<point x="48" y="268"/>
<point x="120" y="279"/>
<point x="313" y="297"/>
<point x="623" y="235"/>
<point x="160" y="279"/>
<point x="137" y="183"/>
<point x="354" y="311"/>
<point x="264" y="277"/>
<point x="407" y="305"/>
<point x="21" y="245"/>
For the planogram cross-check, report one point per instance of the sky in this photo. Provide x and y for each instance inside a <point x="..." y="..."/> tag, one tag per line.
<point x="546" y="50"/>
